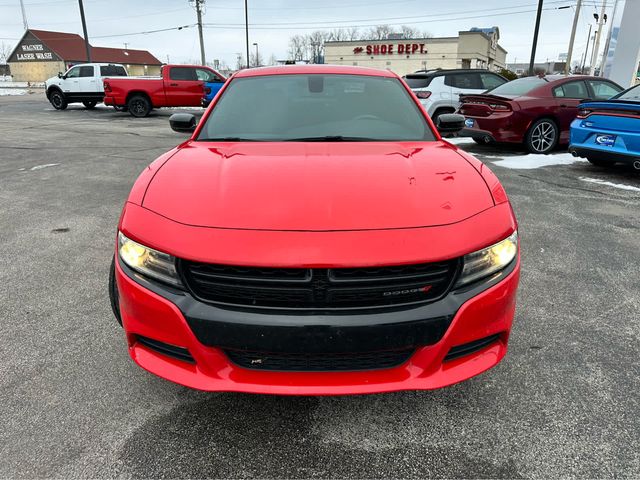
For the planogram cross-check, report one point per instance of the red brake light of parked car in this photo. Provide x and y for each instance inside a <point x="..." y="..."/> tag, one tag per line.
<point x="583" y="113"/>
<point x="499" y="107"/>
<point x="207" y="90"/>
<point x="423" y="94"/>
<point x="107" y="87"/>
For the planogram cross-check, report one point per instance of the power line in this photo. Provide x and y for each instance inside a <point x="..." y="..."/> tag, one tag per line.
<point x="181" y="27"/>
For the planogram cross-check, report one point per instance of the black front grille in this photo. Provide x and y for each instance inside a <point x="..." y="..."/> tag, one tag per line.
<point x="328" y="362"/>
<point x="318" y="288"/>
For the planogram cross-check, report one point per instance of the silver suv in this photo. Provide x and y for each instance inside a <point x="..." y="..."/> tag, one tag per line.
<point x="439" y="90"/>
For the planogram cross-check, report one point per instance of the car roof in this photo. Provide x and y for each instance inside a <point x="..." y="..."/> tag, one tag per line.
<point x="435" y="73"/>
<point x="308" y="69"/>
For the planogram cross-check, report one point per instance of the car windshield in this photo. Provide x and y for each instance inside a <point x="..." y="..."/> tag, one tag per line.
<point x="632" y="94"/>
<point x="316" y="107"/>
<point x="520" y="86"/>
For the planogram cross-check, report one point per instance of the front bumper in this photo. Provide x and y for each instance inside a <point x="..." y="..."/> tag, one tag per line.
<point x="156" y="312"/>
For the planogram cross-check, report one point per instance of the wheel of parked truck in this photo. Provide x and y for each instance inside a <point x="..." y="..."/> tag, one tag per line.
<point x="542" y="136"/>
<point x="113" y="292"/>
<point x="139" y="106"/>
<point x="90" y="105"/>
<point x="57" y="100"/>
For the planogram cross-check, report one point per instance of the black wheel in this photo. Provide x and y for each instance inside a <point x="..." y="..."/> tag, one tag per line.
<point x="57" y="100"/>
<point x="542" y="137"/>
<point x="139" y="106"/>
<point x="113" y="292"/>
<point x="598" y="162"/>
<point x="90" y="104"/>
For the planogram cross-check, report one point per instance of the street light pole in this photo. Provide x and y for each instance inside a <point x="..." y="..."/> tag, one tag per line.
<point x="84" y="29"/>
<point x="567" y="67"/>
<point x="257" y="61"/>
<point x="535" y="37"/>
<point x="586" y="52"/>
<point x="594" y="54"/>
<point x="246" y="29"/>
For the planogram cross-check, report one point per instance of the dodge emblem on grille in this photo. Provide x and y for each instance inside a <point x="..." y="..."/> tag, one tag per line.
<point x="424" y="289"/>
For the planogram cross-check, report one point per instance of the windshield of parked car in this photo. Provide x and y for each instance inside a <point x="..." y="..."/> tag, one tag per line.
<point x="316" y="107"/>
<point x="518" y="87"/>
<point x="633" y="94"/>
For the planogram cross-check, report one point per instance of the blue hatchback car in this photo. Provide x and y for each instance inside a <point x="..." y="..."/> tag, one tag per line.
<point x="608" y="132"/>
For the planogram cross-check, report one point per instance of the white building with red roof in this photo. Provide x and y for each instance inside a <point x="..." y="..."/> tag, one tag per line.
<point x="41" y="54"/>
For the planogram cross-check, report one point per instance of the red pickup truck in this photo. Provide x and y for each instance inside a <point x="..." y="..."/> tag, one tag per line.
<point x="177" y="86"/>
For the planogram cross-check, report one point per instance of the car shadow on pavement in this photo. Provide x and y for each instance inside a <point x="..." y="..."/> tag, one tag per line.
<point x="248" y="436"/>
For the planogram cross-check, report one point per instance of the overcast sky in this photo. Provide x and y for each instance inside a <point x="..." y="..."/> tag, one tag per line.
<point x="110" y="19"/>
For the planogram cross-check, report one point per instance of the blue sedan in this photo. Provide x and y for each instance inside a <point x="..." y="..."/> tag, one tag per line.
<point x="608" y="132"/>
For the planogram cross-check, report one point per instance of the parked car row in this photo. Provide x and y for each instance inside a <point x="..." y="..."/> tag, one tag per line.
<point x="594" y="116"/>
<point x="91" y="83"/>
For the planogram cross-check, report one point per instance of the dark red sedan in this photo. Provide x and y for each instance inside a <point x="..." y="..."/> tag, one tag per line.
<point x="535" y="111"/>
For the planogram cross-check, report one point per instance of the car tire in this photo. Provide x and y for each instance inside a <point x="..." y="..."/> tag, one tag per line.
<point x="114" y="296"/>
<point x="58" y="100"/>
<point x="599" y="162"/>
<point x="90" y="104"/>
<point x="542" y="137"/>
<point x="139" y="106"/>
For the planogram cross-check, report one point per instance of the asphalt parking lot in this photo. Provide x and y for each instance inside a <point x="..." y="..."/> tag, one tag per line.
<point x="564" y="402"/>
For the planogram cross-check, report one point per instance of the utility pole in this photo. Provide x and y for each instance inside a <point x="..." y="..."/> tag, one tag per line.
<point x="257" y="57"/>
<point x="586" y="52"/>
<point x="594" y="55"/>
<point x="246" y="28"/>
<point x="608" y="42"/>
<point x="567" y="67"/>
<point x="535" y="37"/>
<point x="24" y="16"/>
<point x="198" y="4"/>
<point x="84" y="29"/>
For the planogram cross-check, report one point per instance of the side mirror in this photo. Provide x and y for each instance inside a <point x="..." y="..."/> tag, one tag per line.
<point x="450" y="123"/>
<point x="183" y="122"/>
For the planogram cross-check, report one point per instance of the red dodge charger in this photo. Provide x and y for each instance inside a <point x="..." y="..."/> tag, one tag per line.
<point x="316" y="236"/>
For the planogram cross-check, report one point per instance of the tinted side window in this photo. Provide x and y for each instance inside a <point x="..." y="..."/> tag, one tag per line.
<point x="571" y="90"/>
<point x="183" y="73"/>
<point x="73" y="73"/>
<point x="463" y="80"/>
<point x="490" y="81"/>
<point x="86" y="72"/>
<point x="112" y="71"/>
<point x="207" y="75"/>
<point x="603" y="90"/>
<point x="417" y="81"/>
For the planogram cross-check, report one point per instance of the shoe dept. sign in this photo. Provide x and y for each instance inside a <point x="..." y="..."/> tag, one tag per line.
<point x="392" y="49"/>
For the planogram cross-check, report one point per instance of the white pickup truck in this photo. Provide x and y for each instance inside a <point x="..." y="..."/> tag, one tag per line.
<point x="81" y="84"/>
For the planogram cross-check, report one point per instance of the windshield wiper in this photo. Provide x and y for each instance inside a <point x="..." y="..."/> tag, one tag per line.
<point x="332" y="138"/>
<point x="228" y="139"/>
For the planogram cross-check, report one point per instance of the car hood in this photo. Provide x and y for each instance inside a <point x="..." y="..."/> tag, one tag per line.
<point x="317" y="186"/>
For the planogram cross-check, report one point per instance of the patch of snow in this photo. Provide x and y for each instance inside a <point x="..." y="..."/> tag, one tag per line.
<point x="459" y="140"/>
<point x="621" y="186"/>
<point x="39" y="167"/>
<point x="11" y="91"/>
<point x="531" y="161"/>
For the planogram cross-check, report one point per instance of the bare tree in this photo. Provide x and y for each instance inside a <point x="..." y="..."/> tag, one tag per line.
<point x="240" y="62"/>
<point x="298" y="47"/>
<point x="315" y="41"/>
<point x="411" y="32"/>
<point x="379" y="32"/>
<point x="5" y="52"/>
<point x="273" y="60"/>
<point x="255" y="60"/>
<point x="352" y="33"/>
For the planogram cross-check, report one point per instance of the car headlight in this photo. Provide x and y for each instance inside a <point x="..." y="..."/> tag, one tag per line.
<point x="489" y="260"/>
<point x="148" y="261"/>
